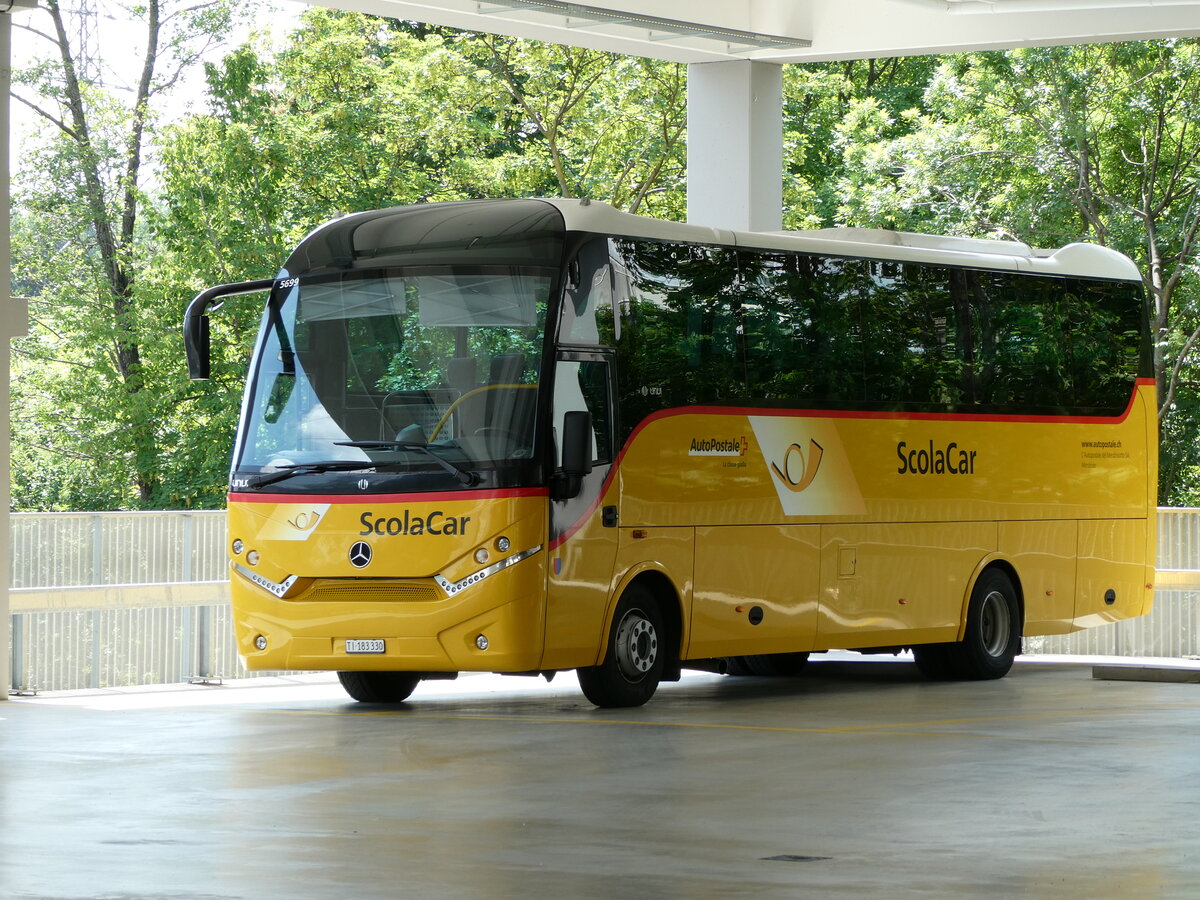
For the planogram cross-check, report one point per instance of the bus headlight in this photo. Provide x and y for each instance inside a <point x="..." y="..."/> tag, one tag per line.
<point x="238" y="547"/>
<point x="252" y="557"/>
<point x="481" y="555"/>
<point x="502" y="544"/>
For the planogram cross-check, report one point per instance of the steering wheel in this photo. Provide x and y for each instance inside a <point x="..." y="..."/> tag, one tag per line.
<point x="437" y="429"/>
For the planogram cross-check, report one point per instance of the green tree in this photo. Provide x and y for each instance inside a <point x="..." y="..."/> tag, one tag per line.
<point x="599" y="125"/>
<point x="1046" y="145"/>
<point x="89" y="387"/>
<point x="876" y="99"/>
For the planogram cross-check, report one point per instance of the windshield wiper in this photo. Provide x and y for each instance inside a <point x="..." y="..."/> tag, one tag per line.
<point x="291" y="470"/>
<point x="464" y="476"/>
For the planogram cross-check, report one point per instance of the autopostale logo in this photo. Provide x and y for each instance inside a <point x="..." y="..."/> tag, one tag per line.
<point x="718" y="446"/>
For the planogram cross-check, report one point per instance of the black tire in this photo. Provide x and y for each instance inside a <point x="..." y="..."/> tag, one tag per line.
<point x="767" y="665"/>
<point x="634" y="658"/>
<point x="379" y="687"/>
<point x="992" y="638"/>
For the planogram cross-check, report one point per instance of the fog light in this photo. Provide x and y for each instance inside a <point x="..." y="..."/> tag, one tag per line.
<point x="481" y="642"/>
<point x="481" y="555"/>
<point x="502" y="544"/>
<point x="238" y="547"/>
<point x="252" y="557"/>
<point x="260" y="642"/>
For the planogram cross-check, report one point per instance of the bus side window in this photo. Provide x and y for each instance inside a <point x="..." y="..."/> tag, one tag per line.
<point x="583" y="386"/>
<point x="587" y="316"/>
<point x="681" y="337"/>
<point x="802" y="326"/>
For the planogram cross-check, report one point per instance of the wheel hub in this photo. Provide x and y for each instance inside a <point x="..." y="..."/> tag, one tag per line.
<point x="636" y="645"/>
<point x="994" y="624"/>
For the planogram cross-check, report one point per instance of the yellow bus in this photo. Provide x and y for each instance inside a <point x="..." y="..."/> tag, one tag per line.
<point x="528" y="436"/>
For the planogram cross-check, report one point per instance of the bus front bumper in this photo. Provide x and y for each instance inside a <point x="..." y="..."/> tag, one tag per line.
<point x="394" y="625"/>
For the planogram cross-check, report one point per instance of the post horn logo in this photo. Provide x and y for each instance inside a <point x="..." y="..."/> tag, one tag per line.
<point x="305" y="520"/>
<point x="798" y="471"/>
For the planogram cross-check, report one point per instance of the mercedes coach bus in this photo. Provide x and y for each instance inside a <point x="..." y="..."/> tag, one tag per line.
<point x="529" y="436"/>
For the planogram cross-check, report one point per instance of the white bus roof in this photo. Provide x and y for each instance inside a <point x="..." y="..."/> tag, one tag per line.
<point x="1078" y="259"/>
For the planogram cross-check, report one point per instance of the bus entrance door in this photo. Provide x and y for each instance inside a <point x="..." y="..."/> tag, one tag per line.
<point x="583" y="533"/>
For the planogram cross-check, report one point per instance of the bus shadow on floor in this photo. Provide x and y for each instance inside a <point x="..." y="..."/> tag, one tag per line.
<point x="488" y="694"/>
<point x="840" y="676"/>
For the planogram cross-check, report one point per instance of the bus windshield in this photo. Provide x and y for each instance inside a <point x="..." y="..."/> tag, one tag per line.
<point x="424" y="368"/>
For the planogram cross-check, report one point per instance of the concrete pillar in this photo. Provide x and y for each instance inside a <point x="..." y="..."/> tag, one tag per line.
<point x="735" y="145"/>
<point x="13" y="321"/>
<point x="5" y="300"/>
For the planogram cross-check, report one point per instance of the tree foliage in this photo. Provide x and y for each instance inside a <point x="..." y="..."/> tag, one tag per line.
<point x="830" y="106"/>
<point x="93" y="422"/>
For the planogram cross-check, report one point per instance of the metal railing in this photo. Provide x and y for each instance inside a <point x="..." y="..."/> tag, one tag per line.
<point x="114" y="548"/>
<point x="119" y="598"/>
<point x="116" y="599"/>
<point x="1172" y="629"/>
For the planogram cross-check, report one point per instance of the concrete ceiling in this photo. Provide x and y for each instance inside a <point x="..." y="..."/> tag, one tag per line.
<point x="800" y="30"/>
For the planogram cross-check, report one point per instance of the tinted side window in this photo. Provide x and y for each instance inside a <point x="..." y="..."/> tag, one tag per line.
<point x="1054" y="345"/>
<point x="680" y="328"/>
<point x="803" y="327"/>
<point x="709" y="325"/>
<point x="911" y="340"/>
<point x="900" y="336"/>
<point x="587" y="310"/>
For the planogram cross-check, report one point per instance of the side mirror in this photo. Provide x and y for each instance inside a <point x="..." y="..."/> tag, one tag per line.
<point x="196" y="340"/>
<point x="577" y="444"/>
<point x="576" y="455"/>
<point x="196" y="337"/>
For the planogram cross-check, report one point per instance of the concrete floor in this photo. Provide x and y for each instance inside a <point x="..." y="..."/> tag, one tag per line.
<point x="858" y="778"/>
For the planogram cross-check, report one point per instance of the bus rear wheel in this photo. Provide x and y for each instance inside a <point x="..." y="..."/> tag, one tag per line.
<point x="992" y="638"/>
<point x="634" y="658"/>
<point x="379" y="687"/>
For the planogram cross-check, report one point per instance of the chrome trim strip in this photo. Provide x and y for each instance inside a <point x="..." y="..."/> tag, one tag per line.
<point x="453" y="587"/>
<point x="266" y="583"/>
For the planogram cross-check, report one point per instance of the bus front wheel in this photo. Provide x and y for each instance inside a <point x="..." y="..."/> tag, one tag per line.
<point x="379" y="687"/>
<point x="634" y="658"/>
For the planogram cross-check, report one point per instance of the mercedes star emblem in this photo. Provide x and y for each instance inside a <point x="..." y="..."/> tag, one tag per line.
<point x="360" y="554"/>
